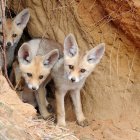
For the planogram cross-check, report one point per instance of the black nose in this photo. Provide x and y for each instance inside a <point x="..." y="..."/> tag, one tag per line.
<point x="73" y="79"/>
<point x="33" y="88"/>
<point x="9" y="44"/>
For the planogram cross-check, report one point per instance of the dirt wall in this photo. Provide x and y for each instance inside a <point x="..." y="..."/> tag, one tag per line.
<point x="112" y="91"/>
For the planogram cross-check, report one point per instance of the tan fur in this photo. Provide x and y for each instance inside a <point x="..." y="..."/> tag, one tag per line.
<point x="9" y="30"/>
<point x="25" y="94"/>
<point x="36" y="68"/>
<point x="39" y="51"/>
<point x="71" y="80"/>
<point x="13" y="29"/>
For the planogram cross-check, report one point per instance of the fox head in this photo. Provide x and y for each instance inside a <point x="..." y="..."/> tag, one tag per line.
<point x="35" y="69"/>
<point x="13" y="29"/>
<point x="79" y="65"/>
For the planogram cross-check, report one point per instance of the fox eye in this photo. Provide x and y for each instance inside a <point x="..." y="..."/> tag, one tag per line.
<point x="71" y="67"/>
<point x="14" y="35"/>
<point x="41" y="76"/>
<point x="29" y="74"/>
<point x="82" y="70"/>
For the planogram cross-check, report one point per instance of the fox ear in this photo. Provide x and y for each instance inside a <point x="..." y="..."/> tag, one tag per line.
<point x="22" y="18"/>
<point x="70" y="46"/>
<point x="24" y="54"/>
<point x="51" y="58"/>
<point x="94" y="55"/>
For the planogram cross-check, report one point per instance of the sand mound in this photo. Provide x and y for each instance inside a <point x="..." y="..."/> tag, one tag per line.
<point x="17" y="120"/>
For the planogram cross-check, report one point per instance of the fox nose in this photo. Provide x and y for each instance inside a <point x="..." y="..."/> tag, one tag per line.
<point x="34" y="88"/>
<point x="73" y="80"/>
<point x="9" y="44"/>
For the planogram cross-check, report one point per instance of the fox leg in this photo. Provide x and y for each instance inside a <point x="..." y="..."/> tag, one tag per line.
<point x="60" y="107"/>
<point x="42" y="102"/>
<point x="81" y="120"/>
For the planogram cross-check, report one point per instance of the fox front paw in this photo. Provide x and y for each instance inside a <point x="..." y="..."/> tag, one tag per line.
<point x="46" y="115"/>
<point x="83" y="123"/>
<point x="61" y="123"/>
<point x="51" y="116"/>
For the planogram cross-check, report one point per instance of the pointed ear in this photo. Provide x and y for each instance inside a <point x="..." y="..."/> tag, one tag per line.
<point x="24" y="54"/>
<point x="94" y="55"/>
<point x="70" y="46"/>
<point x="22" y="18"/>
<point x="51" y="58"/>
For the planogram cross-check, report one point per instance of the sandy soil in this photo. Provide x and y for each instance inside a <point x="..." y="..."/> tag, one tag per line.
<point x="111" y="95"/>
<point x="106" y="130"/>
<point x="17" y="122"/>
<point x="112" y="90"/>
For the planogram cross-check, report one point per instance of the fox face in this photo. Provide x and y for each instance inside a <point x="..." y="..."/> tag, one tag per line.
<point x="13" y="29"/>
<point x="79" y="65"/>
<point x="35" y="69"/>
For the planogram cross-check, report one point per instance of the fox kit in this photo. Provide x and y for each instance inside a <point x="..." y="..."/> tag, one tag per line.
<point x="13" y="30"/>
<point x="69" y="75"/>
<point x="25" y="94"/>
<point x="36" y="59"/>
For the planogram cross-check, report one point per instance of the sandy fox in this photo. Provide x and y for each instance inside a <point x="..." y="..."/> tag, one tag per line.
<point x="36" y="59"/>
<point x="70" y="73"/>
<point x="13" y="30"/>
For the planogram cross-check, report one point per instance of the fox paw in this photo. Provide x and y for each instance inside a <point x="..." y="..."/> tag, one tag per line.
<point x="50" y="117"/>
<point x="61" y="123"/>
<point x="83" y="123"/>
<point x="45" y="117"/>
<point x="38" y="116"/>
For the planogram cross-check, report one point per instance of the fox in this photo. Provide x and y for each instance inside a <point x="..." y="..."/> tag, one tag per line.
<point x="24" y="93"/>
<point x="69" y="75"/>
<point x="13" y="29"/>
<point x="36" y="59"/>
